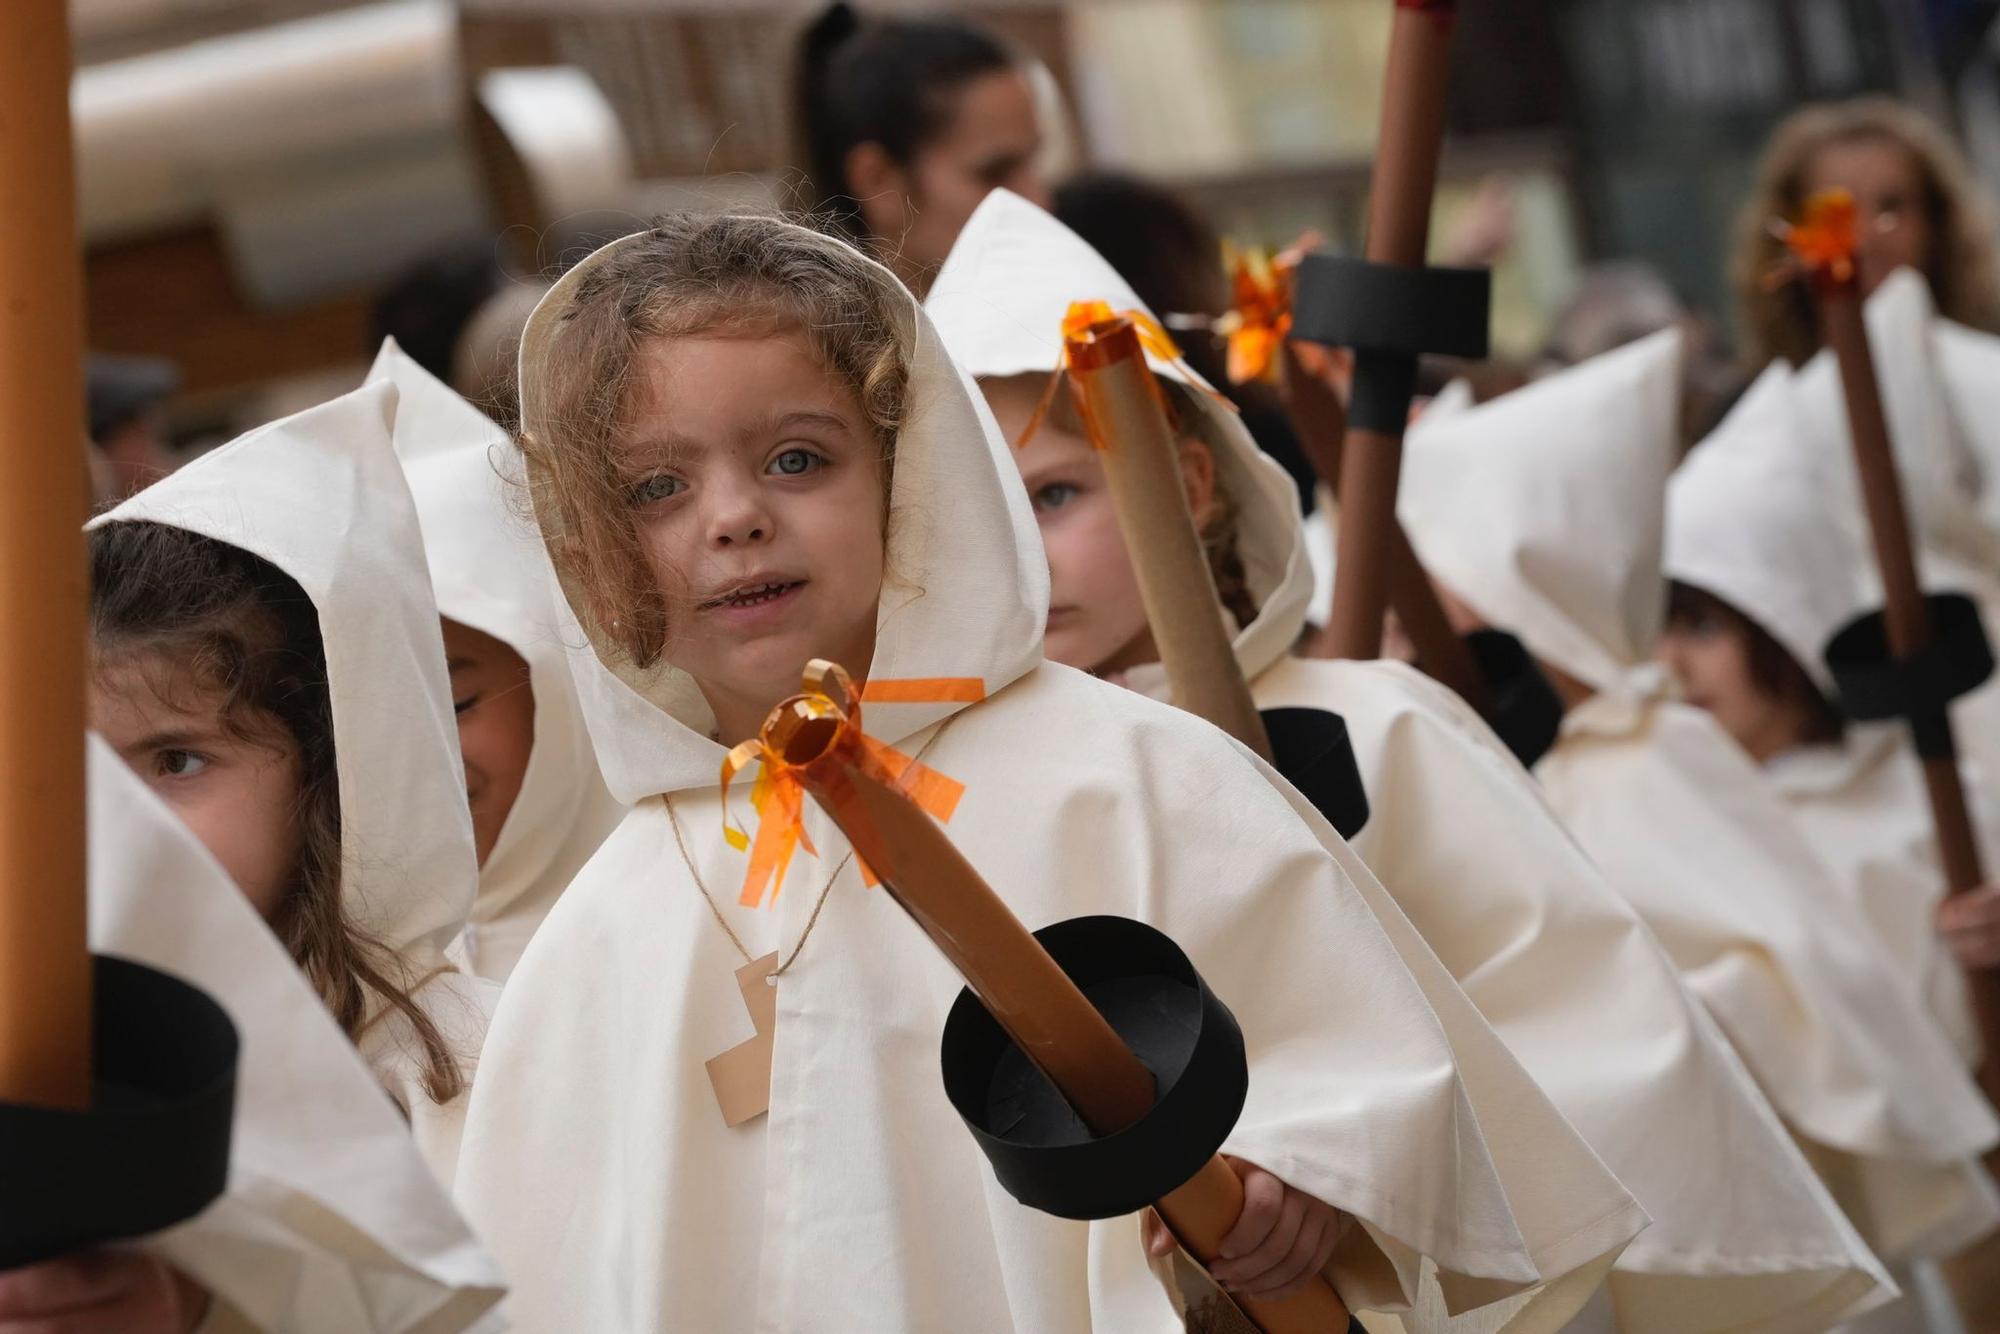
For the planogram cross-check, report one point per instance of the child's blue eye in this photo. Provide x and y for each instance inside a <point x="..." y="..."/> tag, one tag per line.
<point x="180" y="763"/>
<point x="796" y="463"/>
<point x="657" y="488"/>
<point x="1055" y="495"/>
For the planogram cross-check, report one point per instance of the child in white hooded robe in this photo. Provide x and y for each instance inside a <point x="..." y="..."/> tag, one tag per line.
<point x="331" y="1222"/>
<point x="356" y="843"/>
<point x="1556" y="962"/>
<point x="856" y="1201"/>
<point x="1542" y="512"/>
<point x="539" y="804"/>
<point x="1763" y="579"/>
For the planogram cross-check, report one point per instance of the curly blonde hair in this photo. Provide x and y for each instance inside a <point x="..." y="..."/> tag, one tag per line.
<point x="1781" y="322"/>
<point x="687" y="274"/>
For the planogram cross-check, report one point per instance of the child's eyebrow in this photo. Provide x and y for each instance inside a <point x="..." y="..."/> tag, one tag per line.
<point x="810" y="417"/>
<point x="172" y="739"/>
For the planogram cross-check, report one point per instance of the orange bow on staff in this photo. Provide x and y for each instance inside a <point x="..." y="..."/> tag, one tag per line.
<point x="1259" y="316"/>
<point x="1823" y="242"/>
<point x="1082" y="323"/>
<point x="829" y="700"/>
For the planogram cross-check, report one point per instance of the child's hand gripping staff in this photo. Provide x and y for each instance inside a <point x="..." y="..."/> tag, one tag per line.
<point x="1120" y="404"/>
<point x="1390" y="310"/>
<point x="1917" y="654"/>
<point x="1088" y="1106"/>
<point x="116" y="1081"/>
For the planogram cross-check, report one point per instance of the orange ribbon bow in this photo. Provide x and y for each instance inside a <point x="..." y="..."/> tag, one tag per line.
<point x="1823" y="242"/>
<point x="1260" y="313"/>
<point x="1082" y="325"/>
<point x="779" y="792"/>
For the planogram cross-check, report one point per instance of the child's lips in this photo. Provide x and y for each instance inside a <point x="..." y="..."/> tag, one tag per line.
<point x="751" y="603"/>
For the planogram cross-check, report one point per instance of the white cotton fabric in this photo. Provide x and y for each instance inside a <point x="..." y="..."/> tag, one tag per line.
<point x="859" y="1201"/>
<point x="490" y="571"/>
<point x="1749" y="522"/>
<point x="331" y="1223"/>
<point x="321" y="496"/>
<point x="1675" y="814"/>
<point x="1742" y="1237"/>
<point x="1542" y="507"/>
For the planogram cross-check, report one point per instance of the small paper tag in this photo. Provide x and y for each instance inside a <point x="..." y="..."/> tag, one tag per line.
<point x="742" y="1075"/>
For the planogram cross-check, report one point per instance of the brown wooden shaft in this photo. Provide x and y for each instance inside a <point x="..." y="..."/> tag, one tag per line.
<point x="1410" y="141"/>
<point x="1045" y="1014"/>
<point x="1399" y="220"/>
<point x="1142" y="468"/>
<point x="45" y="1021"/>
<point x="1369" y="467"/>
<point x="1906" y="621"/>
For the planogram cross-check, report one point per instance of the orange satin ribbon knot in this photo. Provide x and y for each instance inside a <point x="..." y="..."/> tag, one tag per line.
<point x="1260" y="314"/>
<point x="779" y="792"/>
<point x="1823" y="242"/>
<point x="1082" y="325"/>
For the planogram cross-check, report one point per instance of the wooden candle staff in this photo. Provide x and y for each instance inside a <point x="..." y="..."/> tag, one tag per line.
<point x="814" y="741"/>
<point x="1390" y="309"/>
<point x="45" y="968"/>
<point x="1824" y="244"/>
<point x="1122" y="410"/>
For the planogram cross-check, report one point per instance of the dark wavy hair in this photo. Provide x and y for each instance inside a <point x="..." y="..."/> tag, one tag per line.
<point x="205" y="624"/>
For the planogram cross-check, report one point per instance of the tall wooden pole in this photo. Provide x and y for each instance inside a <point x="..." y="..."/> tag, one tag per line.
<point x="45" y="1024"/>
<point x="1399" y="220"/>
<point x="1906" y="616"/>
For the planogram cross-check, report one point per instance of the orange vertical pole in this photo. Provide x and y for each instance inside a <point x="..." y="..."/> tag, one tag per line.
<point x="45" y="1021"/>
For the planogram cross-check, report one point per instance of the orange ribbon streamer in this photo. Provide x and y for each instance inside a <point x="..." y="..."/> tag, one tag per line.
<point x="1260" y="313"/>
<point x="1082" y="323"/>
<point x="779" y="792"/>
<point x="1823" y="241"/>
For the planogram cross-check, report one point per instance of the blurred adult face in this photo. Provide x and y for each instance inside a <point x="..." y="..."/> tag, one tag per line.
<point x="1896" y="227"/>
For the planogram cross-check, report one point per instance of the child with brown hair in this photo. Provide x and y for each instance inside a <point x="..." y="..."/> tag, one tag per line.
<point x="1920" y="209"/>
<point x="266" y="655"/>
<point x="748" y="449"/>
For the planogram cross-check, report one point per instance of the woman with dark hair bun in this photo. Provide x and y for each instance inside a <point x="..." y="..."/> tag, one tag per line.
<point x="904" y="124"/>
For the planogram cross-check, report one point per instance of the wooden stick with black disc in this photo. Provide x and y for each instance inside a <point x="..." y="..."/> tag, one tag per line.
<point x="815" y="739"/>
<point x="117" y="1081"/>
<point x="1904" y="635"/>
<point x="1399" y="214"/>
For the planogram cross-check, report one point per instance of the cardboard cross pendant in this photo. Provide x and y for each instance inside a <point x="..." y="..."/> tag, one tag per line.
<point x="742" y="1075"/>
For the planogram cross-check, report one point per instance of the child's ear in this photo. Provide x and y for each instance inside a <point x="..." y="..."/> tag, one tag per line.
<point x="880" y="188"/>
<point x="1198" y="474"/>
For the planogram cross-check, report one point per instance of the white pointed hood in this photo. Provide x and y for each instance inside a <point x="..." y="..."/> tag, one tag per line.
<point x="969" y="588"/>
<point x="1968" y="360"/>
<point x="999" y="302"/>
<point x="1941" y="475"/>
<point x="331" y="1223"/>
<point x="490" y="571"/>
<point x="321" y="496"/>
<point x="1544" y="509"/>
<point x="1748" y="521"/>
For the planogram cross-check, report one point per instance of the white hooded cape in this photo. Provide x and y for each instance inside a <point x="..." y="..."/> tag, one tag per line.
<point x="859" y="1202"/>
<point x="331" y="1223"/>
<point x="1544" y="510"/>
<point x="1742" y="1236"/>
<point x="1747" y="522"/>
<point x="490" y="571"/>
<point x="321" y="496"/>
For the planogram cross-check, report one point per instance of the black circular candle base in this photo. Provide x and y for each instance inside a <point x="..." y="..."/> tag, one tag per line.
<point x="152" y="1150"/>
<point x="1873" y="684"/>
<point x="1149" y="991"/>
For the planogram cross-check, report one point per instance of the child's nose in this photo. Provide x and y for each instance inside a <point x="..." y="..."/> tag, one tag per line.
<point x="737" y="516"/>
